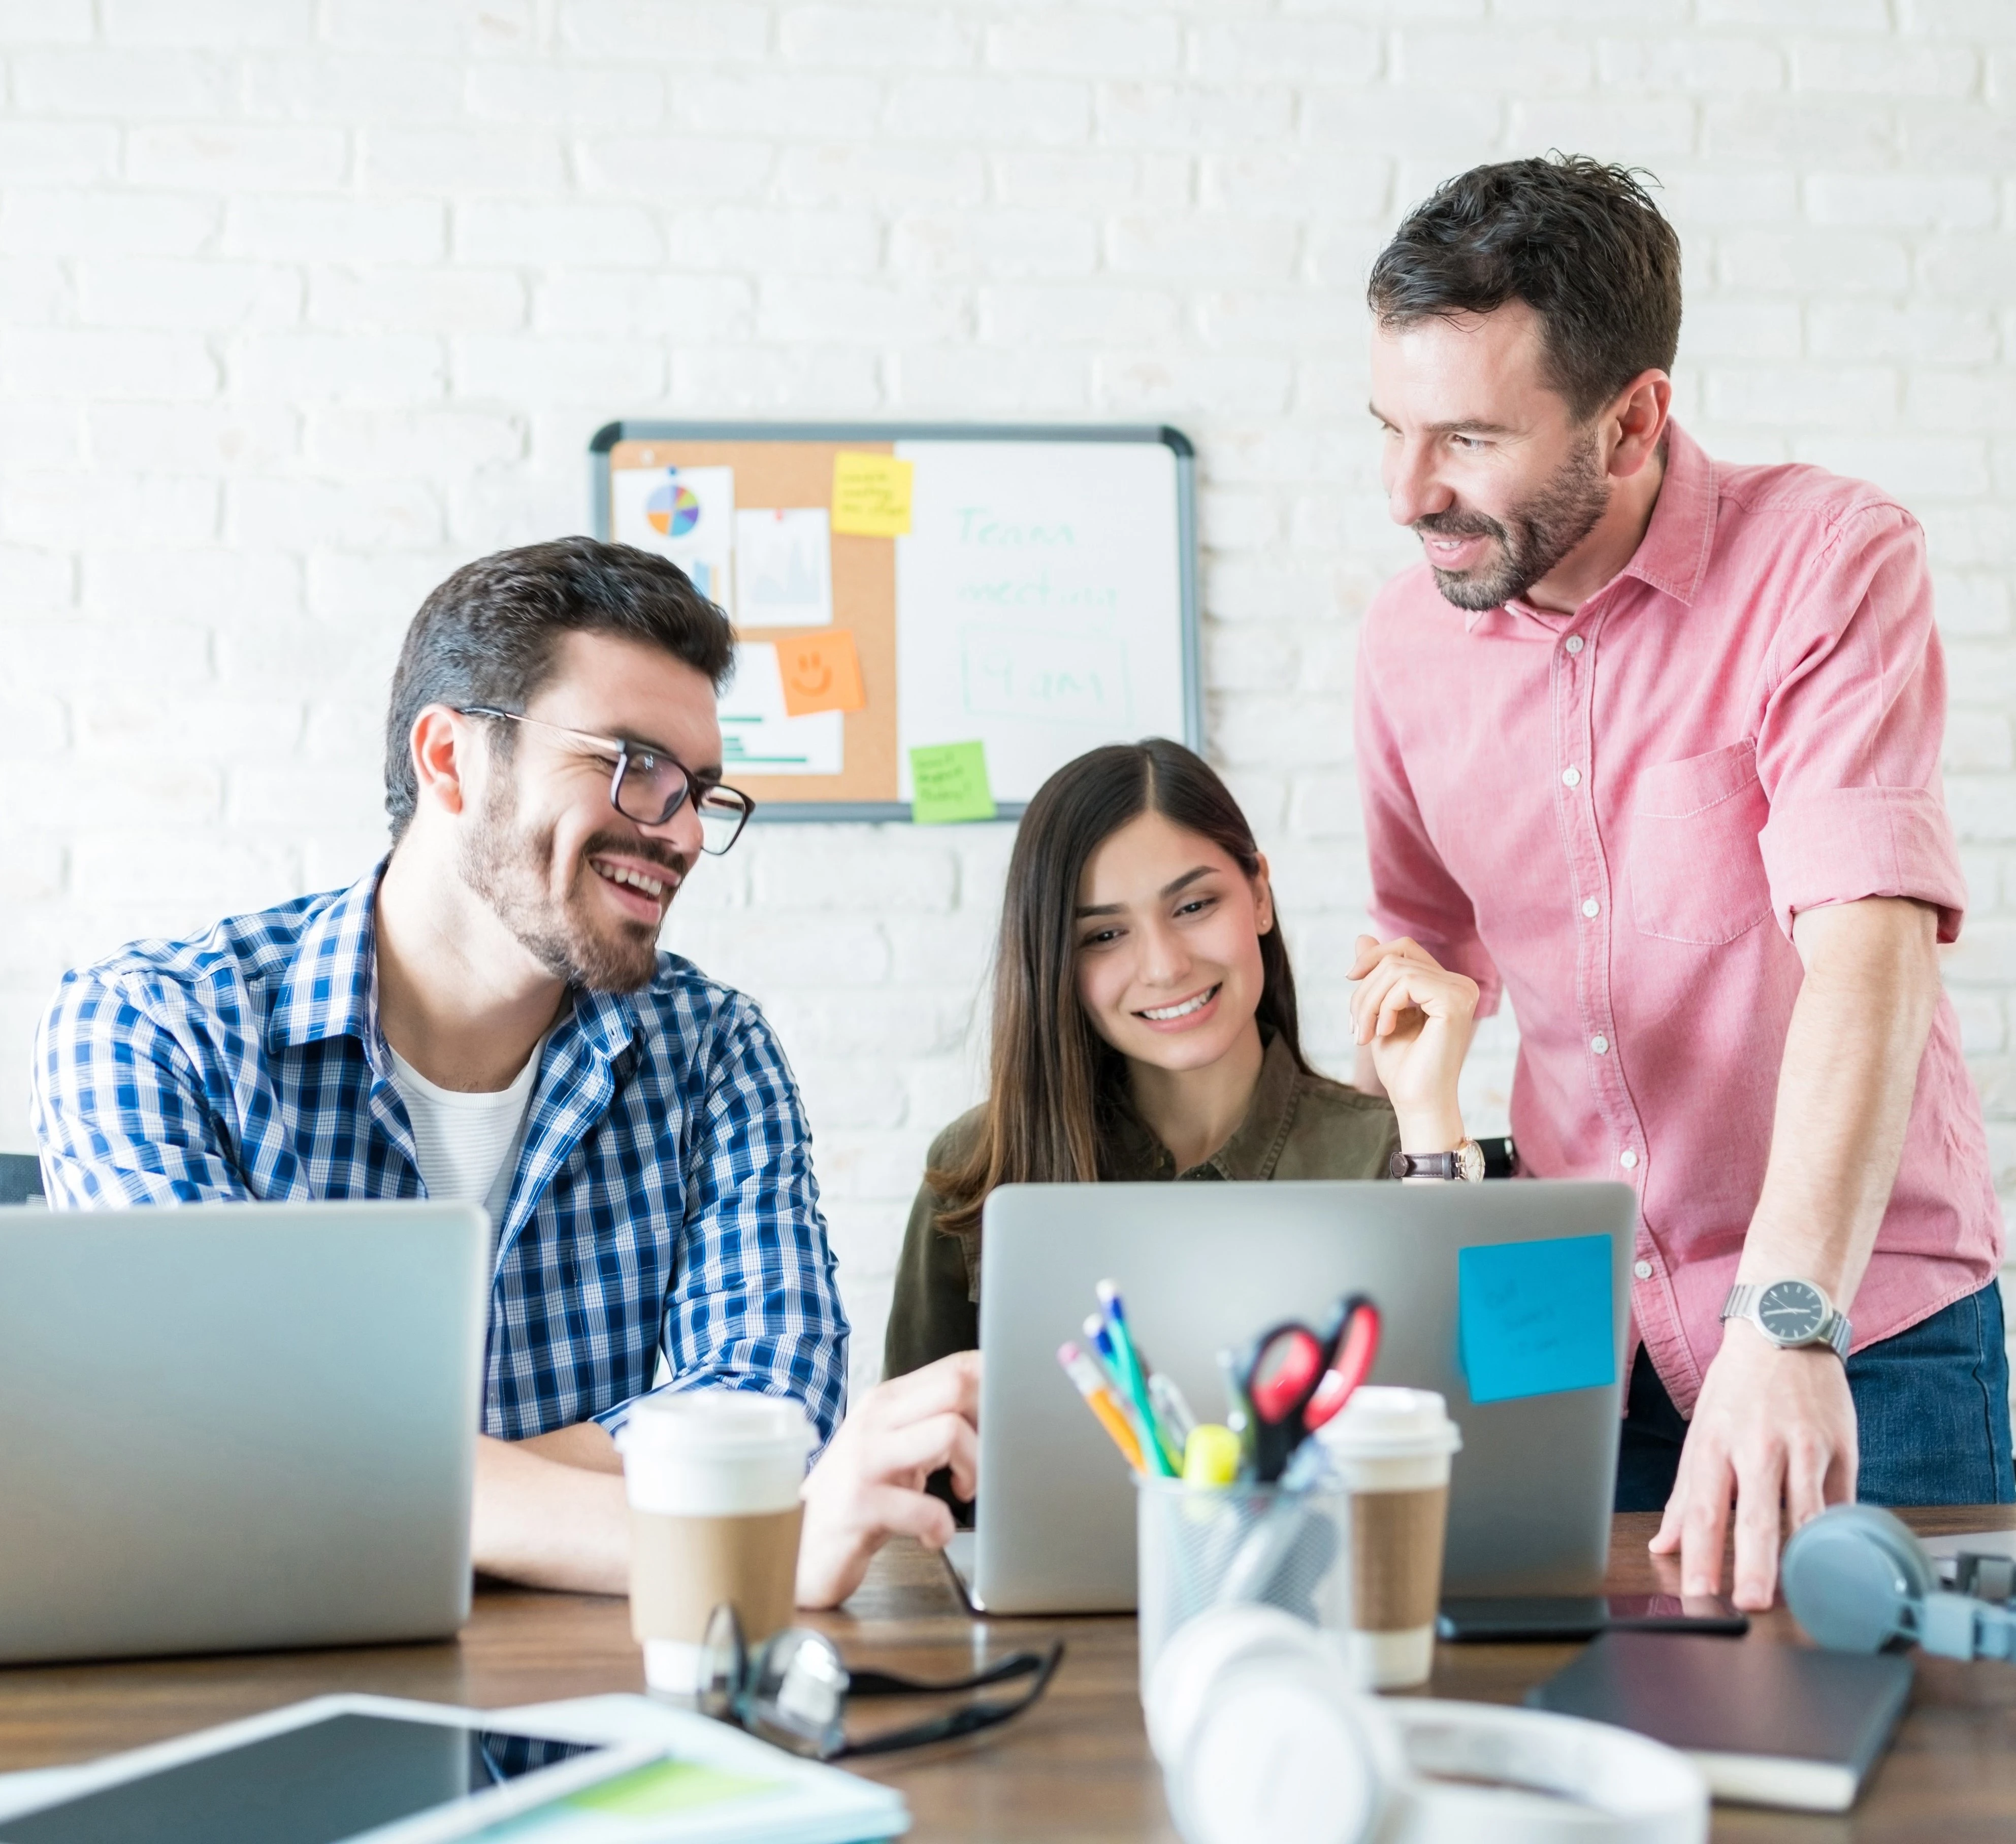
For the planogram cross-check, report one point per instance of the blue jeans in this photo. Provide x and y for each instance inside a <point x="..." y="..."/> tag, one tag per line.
<point x="1931" y="1410"/>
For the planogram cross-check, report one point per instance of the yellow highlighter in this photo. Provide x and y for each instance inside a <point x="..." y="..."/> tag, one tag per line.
<point x="1211" y="1456"/>
<point x="1084" y="1374"/>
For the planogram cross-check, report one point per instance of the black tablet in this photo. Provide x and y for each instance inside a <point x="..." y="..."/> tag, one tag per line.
<point x="319" y="1773"/>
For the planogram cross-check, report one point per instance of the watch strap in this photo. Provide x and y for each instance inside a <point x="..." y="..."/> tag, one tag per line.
<point x="1835" y="1330"/>
<point x="1467" y="1161"/>
<point x="1424" y="1165"/>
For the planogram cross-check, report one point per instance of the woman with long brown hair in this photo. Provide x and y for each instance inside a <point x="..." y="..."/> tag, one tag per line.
<point x="1144" y="1026"/>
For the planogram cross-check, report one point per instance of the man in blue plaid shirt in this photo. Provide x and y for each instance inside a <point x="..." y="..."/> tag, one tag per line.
<point x="486" y="1014"/>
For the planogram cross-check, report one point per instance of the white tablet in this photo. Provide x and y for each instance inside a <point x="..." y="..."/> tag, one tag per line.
<point x="332" y="1769"/>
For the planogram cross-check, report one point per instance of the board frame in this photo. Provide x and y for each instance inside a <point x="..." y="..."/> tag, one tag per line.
<point x="605" y="440"/>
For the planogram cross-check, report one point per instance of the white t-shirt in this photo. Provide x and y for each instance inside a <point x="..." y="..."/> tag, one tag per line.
<point x="466" y="1143"/>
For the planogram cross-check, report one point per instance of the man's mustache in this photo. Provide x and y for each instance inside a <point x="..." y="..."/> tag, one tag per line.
<point x="1458" y="524"/>
<point x="651" y="850"/>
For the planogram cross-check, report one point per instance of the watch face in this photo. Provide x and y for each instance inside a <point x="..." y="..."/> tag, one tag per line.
<point x="1792" y="1312"/>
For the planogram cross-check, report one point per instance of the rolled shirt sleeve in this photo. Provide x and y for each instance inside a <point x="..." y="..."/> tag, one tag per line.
<point x="753" y="1304"/>
<point x="1847" y="751"/>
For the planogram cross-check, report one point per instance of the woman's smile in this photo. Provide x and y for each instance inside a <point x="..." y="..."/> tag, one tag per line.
<point x="1183" y="1013"/>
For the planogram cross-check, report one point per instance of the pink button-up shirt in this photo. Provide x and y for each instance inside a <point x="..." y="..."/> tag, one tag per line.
<point x="1613" y="818"/>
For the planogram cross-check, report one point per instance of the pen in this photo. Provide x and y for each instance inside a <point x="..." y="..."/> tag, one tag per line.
<point x="1137" y="1385"/>
<point x="1099" y="1335"/>
<point x="1099" y="1348"/>
<point x="1238" y="1410"/>
<point x="1084" y="1374"/>
<point x="1170" y="1403"/>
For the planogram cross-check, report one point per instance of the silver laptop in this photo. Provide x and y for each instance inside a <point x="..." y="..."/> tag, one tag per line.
<point x="227" y="1426"/>
<point x="1205" y="1265"/>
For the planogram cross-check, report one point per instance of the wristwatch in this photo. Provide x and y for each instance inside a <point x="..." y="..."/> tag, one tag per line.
<point x="1790" y="1313"/>
<point x="1466" y="1164"/>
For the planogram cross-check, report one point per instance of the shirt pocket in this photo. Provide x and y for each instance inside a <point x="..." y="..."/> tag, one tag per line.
<point x="1695" y="869"/>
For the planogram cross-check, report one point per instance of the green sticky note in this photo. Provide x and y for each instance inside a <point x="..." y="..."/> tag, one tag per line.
<point x="666" y="1787"/>
<point x="948" y="783"/>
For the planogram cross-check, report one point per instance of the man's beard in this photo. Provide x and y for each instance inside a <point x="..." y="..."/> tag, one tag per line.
<point x="508" y="867"/>
<point x="1536" y="535"/>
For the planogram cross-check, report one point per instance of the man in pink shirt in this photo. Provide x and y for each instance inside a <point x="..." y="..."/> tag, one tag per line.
<point x="1650" y="744"/>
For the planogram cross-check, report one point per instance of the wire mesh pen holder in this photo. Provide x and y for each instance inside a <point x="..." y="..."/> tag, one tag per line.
<point x="1199" y="1546"/>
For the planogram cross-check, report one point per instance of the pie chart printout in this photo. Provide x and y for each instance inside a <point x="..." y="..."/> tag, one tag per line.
<point x="687" y="514"/>
<point x="673" y="509"/>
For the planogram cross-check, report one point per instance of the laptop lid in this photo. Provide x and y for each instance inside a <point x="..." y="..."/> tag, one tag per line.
<point x="236" y="1426"/>
<point x="1204" y="1266"/>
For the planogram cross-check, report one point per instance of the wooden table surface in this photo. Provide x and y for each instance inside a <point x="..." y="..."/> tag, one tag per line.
<point x="1076" y="1766"/>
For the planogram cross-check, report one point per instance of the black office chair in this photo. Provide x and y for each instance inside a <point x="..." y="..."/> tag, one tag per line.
<point x="20" y="1178"/>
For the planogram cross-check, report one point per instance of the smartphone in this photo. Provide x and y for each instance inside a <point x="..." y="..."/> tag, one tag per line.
<point x="1582" y="1617"/>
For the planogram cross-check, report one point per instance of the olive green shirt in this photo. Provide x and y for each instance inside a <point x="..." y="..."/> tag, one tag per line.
<point x="1296" y="1126"/>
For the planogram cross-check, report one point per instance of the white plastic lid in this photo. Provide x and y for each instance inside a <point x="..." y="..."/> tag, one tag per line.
<point x="1379" y="1421"/>
<point x="718" y="1425"/>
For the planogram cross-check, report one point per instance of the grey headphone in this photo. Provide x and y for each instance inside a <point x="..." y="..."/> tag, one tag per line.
<point x="1855" y="1578"/>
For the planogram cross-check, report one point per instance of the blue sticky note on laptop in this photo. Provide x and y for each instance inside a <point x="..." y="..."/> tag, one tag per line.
<point x="1534" y="1317"/>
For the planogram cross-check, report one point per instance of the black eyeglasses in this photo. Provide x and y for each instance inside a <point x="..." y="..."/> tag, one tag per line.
<point x="792" y="1691"/>
<point x="648" y="786"/>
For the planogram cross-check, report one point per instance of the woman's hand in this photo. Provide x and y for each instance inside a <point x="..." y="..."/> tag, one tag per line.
<point x="869" y="1485"/>
<point x="1417" y="1017"/>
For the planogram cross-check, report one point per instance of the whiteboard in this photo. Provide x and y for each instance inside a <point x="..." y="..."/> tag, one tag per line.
<point x="1043" y="598"/>
<point x="1038" y="603"/>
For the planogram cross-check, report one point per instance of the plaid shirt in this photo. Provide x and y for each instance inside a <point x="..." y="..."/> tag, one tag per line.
<point x="663" y="1194"/>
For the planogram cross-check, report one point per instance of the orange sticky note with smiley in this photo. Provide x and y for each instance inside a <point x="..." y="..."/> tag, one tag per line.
<point x="821" y="671"/>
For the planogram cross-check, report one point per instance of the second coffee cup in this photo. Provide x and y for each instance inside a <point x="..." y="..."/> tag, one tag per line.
<point x="1391" y="1449"/>
<point x="712" y="1477"/>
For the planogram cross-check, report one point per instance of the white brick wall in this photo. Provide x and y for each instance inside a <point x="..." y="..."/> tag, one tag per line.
<point x="304" y="305"/>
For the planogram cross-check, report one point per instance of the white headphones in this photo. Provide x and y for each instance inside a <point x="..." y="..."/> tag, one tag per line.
<point x="1263" y="1737"/>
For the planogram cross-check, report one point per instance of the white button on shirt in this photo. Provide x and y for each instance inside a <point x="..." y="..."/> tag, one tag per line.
<point x="1628" y="1159"/>
<point x="1643" y="1269"/>
<point x="1573" y="643"/>
<point x="1591" y="907"/>
<point x="1599" y="1043"/>
<point x="1571" y="778"/>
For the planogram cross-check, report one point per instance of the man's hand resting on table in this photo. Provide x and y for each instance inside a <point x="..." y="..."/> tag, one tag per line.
<point x="869" y="1485"/>
<point x="550" y="1511"/>
<point x="1771" y="1426"/>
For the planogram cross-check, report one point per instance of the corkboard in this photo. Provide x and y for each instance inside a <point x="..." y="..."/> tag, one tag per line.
<point x="774" y="474"/>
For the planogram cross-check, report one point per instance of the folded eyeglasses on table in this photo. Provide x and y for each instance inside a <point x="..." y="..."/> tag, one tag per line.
<point x="793" y="1689"/>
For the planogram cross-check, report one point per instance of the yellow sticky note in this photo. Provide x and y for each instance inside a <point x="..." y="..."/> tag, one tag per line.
<point x="821" y="671"/>
<point x="871" y="495"/>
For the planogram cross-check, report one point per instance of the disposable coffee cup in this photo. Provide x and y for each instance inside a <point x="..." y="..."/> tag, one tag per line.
<point x="1390" y="1449"/>
<point x="712" y="1476"/>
